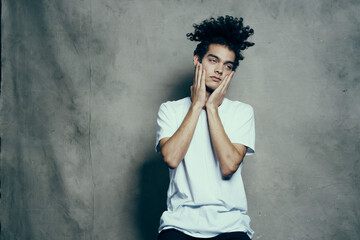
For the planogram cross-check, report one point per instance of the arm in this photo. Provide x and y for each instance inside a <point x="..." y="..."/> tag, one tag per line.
<point x="174" y="148"/>
<point x="230" y="155"/>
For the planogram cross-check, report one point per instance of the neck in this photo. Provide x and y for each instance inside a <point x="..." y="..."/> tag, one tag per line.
<point x="209" y="90"/>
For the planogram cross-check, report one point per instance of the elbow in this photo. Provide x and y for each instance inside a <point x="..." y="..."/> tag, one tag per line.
<point x="170" y="159"/>
<point x="229" y="169"/>
<point x="170" y="156"/>
<point x="171" y="162"/>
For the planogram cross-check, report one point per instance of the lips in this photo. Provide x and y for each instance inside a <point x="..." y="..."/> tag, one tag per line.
<point x="216" y="79"/>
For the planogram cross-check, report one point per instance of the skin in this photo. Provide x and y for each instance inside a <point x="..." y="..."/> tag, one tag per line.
<point x="211" y="80"/>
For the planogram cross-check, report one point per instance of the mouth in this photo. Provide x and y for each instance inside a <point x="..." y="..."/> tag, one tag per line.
<point x="216" y="79"/>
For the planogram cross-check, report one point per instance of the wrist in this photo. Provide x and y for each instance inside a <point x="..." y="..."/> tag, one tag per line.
<point x="196" y="107"/>
<point x="211" y="107"/>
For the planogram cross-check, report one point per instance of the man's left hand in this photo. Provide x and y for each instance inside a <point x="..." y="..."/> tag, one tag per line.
<point x="217" y="97"/>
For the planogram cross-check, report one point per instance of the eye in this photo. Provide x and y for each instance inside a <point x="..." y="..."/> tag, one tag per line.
<point x="212" y="60"/>
<point x="229" y="67"/>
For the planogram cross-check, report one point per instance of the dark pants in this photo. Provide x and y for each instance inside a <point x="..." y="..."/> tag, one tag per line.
<point x="173" y="234"/>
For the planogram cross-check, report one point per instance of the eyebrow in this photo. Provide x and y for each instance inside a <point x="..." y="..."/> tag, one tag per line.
<point x="212" y="55"/>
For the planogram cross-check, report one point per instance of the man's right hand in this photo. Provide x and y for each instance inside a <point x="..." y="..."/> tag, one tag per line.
<point x="198" y="90"/>
<point x="174" y="148"/>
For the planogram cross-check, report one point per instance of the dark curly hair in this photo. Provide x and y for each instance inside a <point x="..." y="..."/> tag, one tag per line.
<point x="227" y="31"/>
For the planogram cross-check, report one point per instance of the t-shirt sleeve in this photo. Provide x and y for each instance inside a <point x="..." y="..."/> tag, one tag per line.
<point x="243" y="130"/>
<point x="166" y="124"/>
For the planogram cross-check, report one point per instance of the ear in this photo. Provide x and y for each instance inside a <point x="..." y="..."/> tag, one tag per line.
<point x="196" y="59"/>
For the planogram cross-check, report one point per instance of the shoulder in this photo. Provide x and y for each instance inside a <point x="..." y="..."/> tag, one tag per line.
<point x="238" y="107"/>
<point x="178" y="104"/>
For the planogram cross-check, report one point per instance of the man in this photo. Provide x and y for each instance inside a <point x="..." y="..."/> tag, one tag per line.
<point x="204" y="138"/>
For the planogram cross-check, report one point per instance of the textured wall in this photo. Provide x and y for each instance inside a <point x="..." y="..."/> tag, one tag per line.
<point x="81" y="85"/>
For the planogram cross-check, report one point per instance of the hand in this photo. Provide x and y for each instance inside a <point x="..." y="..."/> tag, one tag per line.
<point x="198" y="90"/>
<point x="217" y="96"/>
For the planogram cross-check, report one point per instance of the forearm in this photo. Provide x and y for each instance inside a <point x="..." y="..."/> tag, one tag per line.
<point x="228" y="155"/>
<point x="175" y="148"/>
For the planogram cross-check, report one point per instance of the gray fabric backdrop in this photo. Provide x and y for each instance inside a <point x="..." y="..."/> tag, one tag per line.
<point x="81" y="85"/>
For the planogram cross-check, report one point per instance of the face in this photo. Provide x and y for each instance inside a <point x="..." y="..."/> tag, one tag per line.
<point x="218" y="62"/>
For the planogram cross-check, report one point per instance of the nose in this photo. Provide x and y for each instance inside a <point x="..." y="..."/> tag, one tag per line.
<point x="218" y="69"/>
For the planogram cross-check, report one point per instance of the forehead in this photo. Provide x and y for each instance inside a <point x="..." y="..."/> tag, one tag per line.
<point x="222" y="52"/>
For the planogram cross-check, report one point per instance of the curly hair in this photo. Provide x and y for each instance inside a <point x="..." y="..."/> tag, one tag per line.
<point x="227" y="31"/>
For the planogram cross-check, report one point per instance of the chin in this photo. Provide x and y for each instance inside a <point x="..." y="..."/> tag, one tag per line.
<point x="212" y="86"/>
<point x="210" y="90"/>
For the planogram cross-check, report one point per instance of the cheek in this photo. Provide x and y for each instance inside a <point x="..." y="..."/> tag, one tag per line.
<point x="209" y="71"/>
<point x="207" y="66"/>
<point x="227" y="72"/>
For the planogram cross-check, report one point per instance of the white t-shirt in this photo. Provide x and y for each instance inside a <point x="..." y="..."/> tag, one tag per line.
<point x="200" y="202"/>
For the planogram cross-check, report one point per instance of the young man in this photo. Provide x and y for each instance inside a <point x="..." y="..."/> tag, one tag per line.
<point x="204" y="138"/>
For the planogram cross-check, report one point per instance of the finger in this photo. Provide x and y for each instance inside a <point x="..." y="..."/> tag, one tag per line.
<point x="222" y="86"/>
<point x="223" y="83"/>
<point x="228" y="80"/>
<point x="200" y="75"/>
<point x="196" y="74"/>
<point x="231" y="76"/>
<point x="203" y="78"/>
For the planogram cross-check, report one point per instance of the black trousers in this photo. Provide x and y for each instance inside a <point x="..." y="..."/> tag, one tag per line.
<point x="173" y="234"/>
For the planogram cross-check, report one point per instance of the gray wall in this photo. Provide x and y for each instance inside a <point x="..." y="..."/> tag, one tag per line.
<point x="81" y="85"/>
